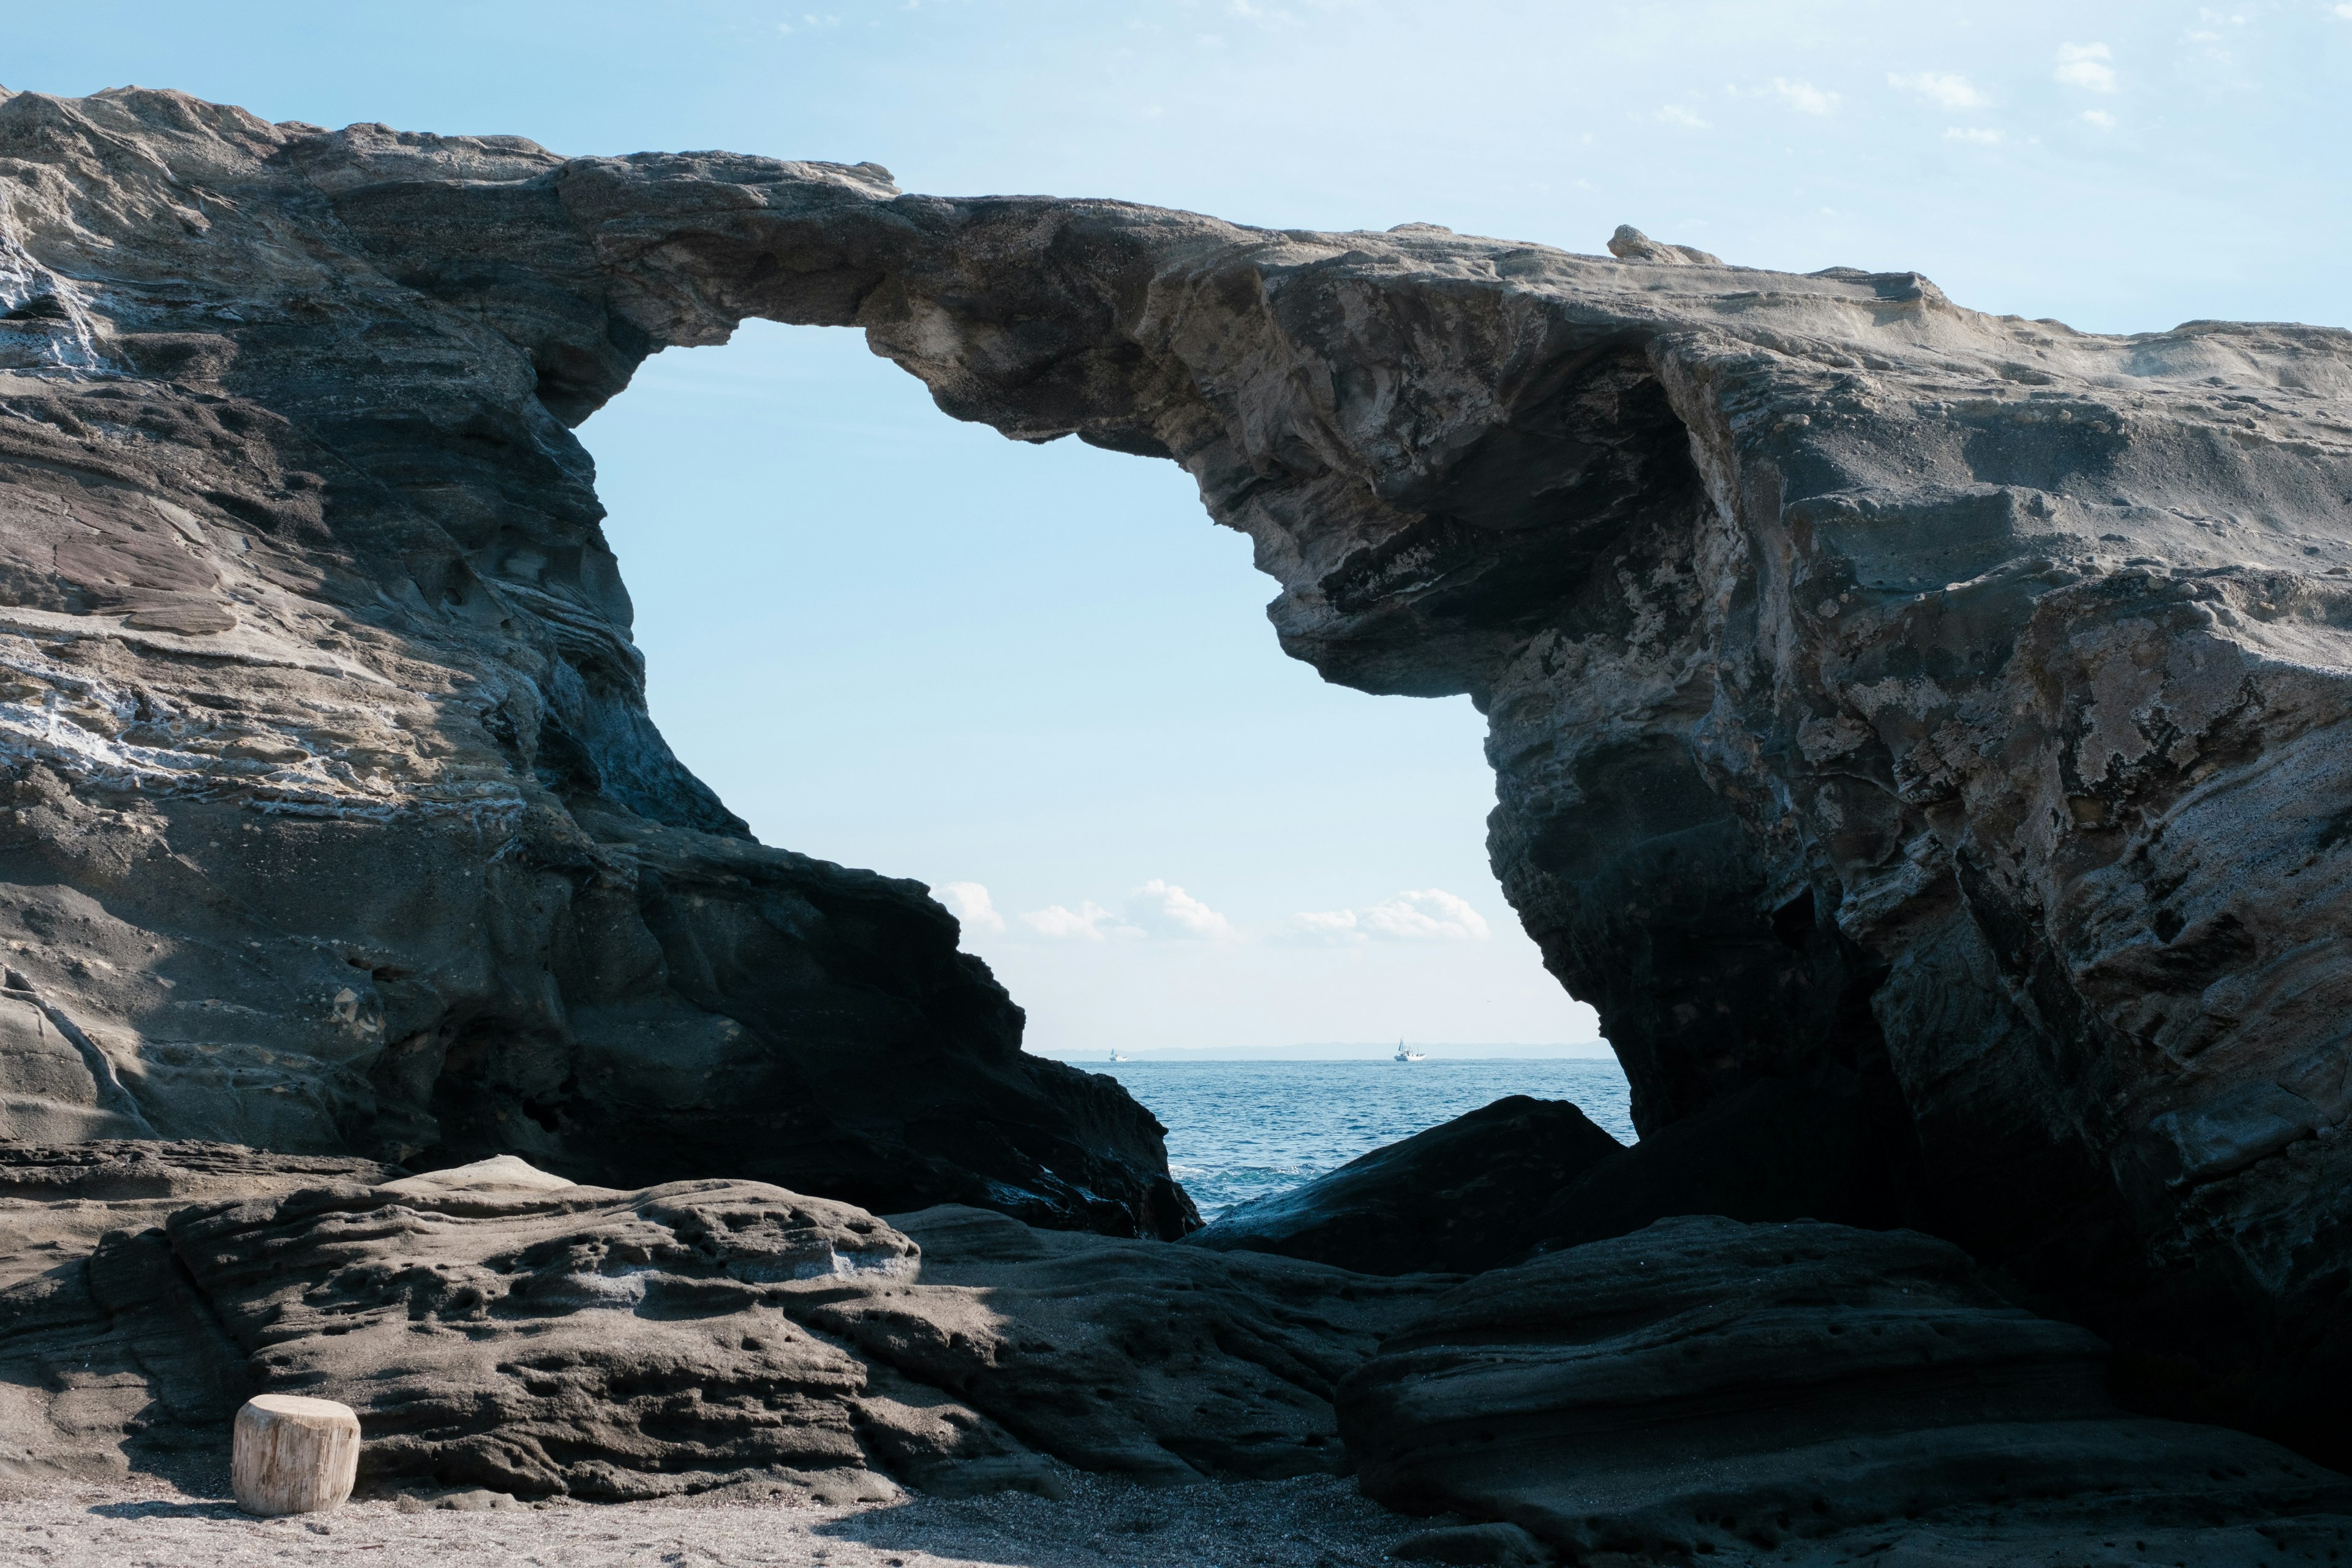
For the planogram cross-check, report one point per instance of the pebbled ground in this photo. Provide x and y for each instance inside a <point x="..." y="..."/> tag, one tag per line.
<point x="1311" y="1523"/>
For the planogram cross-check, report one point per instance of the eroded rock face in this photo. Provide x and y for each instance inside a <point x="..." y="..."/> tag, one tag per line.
<point x="1801" y="1393"/>
<point x="496" y="1327"/>
<point x="1878" y="688"/>
<point x="108" y="1354"/>
<point x="334" y="820"/>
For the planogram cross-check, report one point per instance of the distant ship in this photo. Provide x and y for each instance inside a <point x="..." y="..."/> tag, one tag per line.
<point x="1118" y="1056"/>
<point x="1405" y="1056"/>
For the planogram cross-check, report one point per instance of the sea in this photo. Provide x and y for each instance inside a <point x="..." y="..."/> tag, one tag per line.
<point x="1239" y="1131"/>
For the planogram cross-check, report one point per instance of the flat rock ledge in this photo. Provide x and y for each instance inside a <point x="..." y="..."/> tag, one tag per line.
<point x="1804" y="1393"/>
<point x="497" y="1330"/>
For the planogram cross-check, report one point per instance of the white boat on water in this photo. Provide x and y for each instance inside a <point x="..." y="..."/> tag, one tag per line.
<point x="1405" y="1056"/>
<point x="1118" y="1056"/>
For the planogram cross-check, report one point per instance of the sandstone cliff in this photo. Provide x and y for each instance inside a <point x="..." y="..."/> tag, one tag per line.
<point x="1941" y="711"/>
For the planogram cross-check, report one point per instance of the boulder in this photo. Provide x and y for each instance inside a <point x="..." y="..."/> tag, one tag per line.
<point x="1458" y="1198"/>
<point x="1812" y="1391"/>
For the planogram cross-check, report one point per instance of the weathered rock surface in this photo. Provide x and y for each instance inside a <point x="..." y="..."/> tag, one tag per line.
<point x="107" y="1351"/>
<point x="1803" y="1394"/>
<point x="1955" y="701"/>
<point x="1466" y="1195"/>
<point x="333" y="819"/>
<point x="1131" y="1357"/>
<point x="497" y="1330"/>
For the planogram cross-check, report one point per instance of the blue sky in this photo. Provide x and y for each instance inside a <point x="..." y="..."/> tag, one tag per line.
<point x="896" y="641"/>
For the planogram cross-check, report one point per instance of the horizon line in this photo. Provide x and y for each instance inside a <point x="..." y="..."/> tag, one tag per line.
<point x="1595" y="1050"/>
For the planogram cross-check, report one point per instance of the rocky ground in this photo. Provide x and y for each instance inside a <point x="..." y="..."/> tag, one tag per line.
<point x="711" y="1371"/>
<point x="1311" y="1523"/>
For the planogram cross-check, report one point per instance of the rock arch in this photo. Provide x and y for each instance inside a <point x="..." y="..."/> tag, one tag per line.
<point x="1938" y="710"/>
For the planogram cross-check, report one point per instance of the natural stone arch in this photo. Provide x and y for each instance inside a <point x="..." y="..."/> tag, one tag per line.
<point x="1882" y="694"/>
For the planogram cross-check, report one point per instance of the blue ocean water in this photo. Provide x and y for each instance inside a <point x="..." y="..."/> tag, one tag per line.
<point x="1244" y="1130"/>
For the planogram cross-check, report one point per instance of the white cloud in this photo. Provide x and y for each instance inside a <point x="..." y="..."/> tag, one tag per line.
<point x="1162" y="909"/>
<point x="1675" y="114"/>
<point x="1976" y="135"/>
<point x="2084" y="66"/>
<point x="2345" y="12"/>
<point x="1426" y="915"/>
<point x="1804" y="97"/>
<point x="1086" y="923"/>
<point x="970" y="902"/>
<point x="2100" y="118"/>
<point x="1335" y="925"/>
<point x="1945" y="89"/>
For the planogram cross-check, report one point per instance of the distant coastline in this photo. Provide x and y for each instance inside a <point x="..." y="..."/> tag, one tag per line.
<point x="1331" y="1051"/>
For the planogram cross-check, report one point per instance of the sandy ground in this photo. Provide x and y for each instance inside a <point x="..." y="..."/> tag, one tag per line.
<point x="146" y="1522"/>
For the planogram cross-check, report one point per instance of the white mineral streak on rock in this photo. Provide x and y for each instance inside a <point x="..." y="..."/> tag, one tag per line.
<point x="42" y="320"/>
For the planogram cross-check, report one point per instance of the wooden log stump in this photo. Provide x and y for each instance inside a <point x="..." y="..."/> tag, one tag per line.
<point x="293" y="1454"/>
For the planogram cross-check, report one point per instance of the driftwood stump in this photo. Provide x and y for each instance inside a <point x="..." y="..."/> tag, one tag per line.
<point x="293" y="1454"/>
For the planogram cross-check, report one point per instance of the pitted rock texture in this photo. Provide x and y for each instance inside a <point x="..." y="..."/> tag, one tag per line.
<point x="332" y="819"/>
<point x="1877" y="687"/>
<point x="579" y="1341"/>
<point x="497" y="1328"/>
<point x="1161" y="1362"/>
<point x="109" y="1356"/>
<point x="1803" y="1394"/>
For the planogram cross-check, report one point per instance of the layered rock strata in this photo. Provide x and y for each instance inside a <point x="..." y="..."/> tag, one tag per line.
<point x="1803" y="1394"/>
<point x="334" y="821"/>
<point x="107" y="1351"/>
<point x="1941" y="707"/>
<point x="497" y="1326"/>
